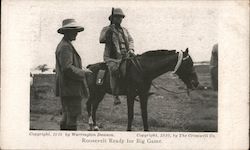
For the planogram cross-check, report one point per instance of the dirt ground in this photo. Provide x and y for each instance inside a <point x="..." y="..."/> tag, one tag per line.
<point x="167" y="112"/>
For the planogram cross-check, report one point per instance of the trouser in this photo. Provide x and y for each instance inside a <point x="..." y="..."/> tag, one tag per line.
<point x="71" y="109"/>
<point x="113" y="82"/>
<point x="116" y="69"/>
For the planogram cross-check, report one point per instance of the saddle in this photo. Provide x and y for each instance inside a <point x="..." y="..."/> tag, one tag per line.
<point x="103" y="71"/>
<point x="103" y="76"/>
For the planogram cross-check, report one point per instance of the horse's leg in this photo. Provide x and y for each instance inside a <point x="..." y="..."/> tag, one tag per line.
<point x="144" y="111"/>
<point x="143" y="94"/>
<point x="130" y="104"/>
<point x="90" y="120"/>
<point x="98" y="99"/>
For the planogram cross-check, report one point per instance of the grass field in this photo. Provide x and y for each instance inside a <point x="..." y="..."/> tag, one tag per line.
<point x="167" y="112"/>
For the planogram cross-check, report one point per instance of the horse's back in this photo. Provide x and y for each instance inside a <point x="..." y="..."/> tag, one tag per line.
<point x="97" y="66"/>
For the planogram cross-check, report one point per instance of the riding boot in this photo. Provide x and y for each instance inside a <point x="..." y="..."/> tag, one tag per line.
<point x="137" y="99"/>
<point x="117" y="100"/>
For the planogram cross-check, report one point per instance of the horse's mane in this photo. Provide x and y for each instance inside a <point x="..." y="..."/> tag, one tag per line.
<point x="161" y="52"/>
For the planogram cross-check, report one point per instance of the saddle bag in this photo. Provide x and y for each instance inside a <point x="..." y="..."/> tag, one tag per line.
<point x="100" y="77"/>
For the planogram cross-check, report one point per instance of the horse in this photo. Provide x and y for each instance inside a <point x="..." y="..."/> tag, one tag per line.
<point x="140" y="72"/>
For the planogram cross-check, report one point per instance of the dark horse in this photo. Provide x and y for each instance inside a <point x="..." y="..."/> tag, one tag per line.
<point x="140" y="71"/>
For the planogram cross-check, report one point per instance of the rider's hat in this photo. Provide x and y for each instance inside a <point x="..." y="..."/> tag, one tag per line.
<point x="117" y="12"/>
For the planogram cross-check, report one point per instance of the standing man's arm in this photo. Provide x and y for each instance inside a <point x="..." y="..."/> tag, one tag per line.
<point x="66" y="62"/>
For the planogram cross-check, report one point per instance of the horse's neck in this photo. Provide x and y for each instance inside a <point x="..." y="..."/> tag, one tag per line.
<point x="159" y="65"/>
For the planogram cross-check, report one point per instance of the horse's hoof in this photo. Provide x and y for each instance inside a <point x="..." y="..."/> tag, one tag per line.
<point x="129" y="130"/>
<point x="90" y="127"/>
<point x="96" y="128"/>
<point x="146" y="130"/>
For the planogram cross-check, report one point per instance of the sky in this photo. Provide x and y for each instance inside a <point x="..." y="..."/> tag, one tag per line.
<point x="153" y="25"/>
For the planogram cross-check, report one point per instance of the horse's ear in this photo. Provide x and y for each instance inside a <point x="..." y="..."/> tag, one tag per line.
<point x="186" y="50"/>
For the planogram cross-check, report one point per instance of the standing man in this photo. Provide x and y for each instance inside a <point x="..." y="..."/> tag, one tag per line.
<point x="118" y="45"/>
<point x="71" y="83"/>
<point x="214" y="67"/>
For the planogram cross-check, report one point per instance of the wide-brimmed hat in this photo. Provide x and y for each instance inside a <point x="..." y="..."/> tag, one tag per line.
<point x="117" y="12"/>
<point x="69" y="24"/>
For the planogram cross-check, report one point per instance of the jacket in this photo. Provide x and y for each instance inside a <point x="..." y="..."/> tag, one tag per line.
<point x="117" y="46"/>
<point x="70" y="77"/>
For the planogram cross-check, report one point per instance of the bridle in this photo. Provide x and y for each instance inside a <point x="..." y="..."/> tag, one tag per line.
<point x="179" y="61"/>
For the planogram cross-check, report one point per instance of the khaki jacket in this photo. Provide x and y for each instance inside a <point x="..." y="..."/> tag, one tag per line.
<point x="70" y="77"/>
<point x="115" y="47"/>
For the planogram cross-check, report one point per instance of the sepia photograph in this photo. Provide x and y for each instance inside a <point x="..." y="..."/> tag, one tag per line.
<point x="124" y="74"/>
<point x="125" y="69"/>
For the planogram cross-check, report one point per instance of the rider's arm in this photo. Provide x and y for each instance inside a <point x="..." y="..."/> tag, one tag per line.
<point x="111" y="47"/>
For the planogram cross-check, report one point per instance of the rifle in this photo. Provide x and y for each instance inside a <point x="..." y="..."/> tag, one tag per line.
<point x="111" y="19"/>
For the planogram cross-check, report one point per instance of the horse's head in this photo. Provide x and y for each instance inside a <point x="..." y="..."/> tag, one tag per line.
<point x="186" y="71"/>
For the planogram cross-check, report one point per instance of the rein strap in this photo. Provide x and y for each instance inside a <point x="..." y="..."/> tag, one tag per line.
<point x="137" y="64"/>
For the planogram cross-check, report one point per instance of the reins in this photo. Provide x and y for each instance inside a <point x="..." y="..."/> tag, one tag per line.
<point x="137" y="64"/>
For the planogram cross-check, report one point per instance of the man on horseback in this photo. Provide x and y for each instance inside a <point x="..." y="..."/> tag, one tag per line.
<point x="118" y="45"/>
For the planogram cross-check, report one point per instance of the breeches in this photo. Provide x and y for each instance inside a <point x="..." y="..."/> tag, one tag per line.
<point x="71" y="109"/>
<point x="113" y="82"/>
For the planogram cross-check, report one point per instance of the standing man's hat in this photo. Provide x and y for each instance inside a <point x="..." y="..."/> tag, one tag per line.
<point x="70" y="24"/>
<point x="117" y="12"/>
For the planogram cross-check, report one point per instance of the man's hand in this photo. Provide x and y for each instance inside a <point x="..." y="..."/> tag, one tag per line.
<point x="131" y="52"/>
<point x="87" y="71"/>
